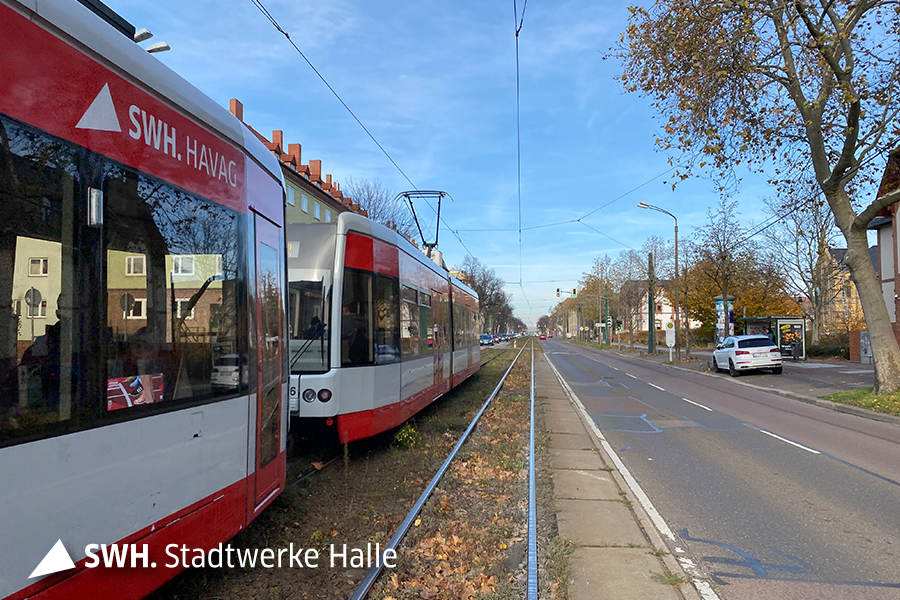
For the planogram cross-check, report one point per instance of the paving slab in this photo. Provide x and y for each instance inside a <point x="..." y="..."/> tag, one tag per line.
<point x="617" y="574"/>
<point x="563" y="423"/>
<point x="571" y="441"/>
<point x="585" y="485"/>
<point x="598" y="523"/>
<point x="585" y="460"/>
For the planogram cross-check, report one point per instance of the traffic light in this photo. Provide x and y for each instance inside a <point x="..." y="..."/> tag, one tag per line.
<point x="557" y="292"/>
<point x="618" y="324"/>
<point x="574" y="292"/>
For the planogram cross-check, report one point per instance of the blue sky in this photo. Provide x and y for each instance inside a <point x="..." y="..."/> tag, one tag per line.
<point x="435" y="84"/>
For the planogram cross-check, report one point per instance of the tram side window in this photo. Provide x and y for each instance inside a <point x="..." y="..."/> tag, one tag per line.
<point x="426" y="325"/>
<point x="173" y="326"/>
<point x="42" y="318"/>
<point x="409" y="322"/>
<point x="387" y="320"/>
<point x="459" y="326"/>
<point x="356" y="319"/>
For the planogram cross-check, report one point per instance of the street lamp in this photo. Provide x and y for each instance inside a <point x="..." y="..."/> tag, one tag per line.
<point x="677" y="313"/>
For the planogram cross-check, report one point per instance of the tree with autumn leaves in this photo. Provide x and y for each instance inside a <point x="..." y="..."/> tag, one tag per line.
<point x="805" y="90"/>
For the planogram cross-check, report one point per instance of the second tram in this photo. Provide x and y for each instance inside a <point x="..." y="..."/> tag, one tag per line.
<point x="377" y="329"/>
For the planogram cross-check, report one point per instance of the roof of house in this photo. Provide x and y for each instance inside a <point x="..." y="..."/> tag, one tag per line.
<point x="839" y="254"/>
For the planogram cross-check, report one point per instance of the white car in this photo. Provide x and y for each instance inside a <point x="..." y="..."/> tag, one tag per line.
<point x="226" y="371"/>
<point x="747" y="352"/>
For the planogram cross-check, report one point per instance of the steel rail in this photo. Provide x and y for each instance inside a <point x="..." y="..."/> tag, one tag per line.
<point x="366" y="584"/>
<point x="532" y="582"/>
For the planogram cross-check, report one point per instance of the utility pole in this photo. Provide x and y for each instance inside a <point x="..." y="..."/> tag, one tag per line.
<point x="651" y="320"/>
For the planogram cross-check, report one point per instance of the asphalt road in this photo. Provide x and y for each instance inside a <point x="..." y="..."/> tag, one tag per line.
<point x="774" y="498"/>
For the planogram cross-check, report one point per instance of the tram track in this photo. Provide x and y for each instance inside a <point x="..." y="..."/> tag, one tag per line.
<point x="373" y="574"/>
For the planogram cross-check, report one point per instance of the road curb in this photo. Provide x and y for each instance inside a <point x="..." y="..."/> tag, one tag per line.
<point x="835" y="406"/>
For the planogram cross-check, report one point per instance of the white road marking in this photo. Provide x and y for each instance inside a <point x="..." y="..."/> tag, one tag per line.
<point x="630" y="375"/>
<point x="623" y="470"/>
<point x="778" y="437"/>
<point x="697" y="404"/>
<point x="656" y="386"/>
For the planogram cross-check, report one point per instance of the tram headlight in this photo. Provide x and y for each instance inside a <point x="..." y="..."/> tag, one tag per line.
<point x="309" y="395"/>
<point x="324" y="395"/>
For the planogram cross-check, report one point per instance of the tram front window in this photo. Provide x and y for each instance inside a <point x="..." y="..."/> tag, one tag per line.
<point x="310" y="275"/>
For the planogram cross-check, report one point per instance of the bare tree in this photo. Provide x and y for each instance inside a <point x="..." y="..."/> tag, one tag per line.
<point x="629" y="272"/>
<point x="801" y="240"/>
<point x="493" y="301"/>
<point x="382" y="205"/>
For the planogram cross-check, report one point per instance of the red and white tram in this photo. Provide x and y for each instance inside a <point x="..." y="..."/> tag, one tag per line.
<point x="377" y="329"/>
<point x="141" y="249"/>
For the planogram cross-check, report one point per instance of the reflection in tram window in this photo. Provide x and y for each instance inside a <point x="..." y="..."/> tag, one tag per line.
<point x="40" y="343"/>
<point x="172" y="285"/>
<point x="356" y="319"/>
<point x="409" y="323"/>
<point x="387" y="324"/>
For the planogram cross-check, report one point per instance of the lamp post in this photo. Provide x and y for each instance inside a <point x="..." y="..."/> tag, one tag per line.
<point x="677" y="312"/>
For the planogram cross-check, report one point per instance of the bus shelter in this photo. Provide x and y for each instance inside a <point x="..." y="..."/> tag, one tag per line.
<point x="789" y="332"/>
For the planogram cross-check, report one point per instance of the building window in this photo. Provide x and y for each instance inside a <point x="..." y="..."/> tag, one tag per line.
<point x="183" y="265"/>
<point x="135" y="265"/>
<point x="659" y="308"/>
<point x="181" y="309"/>
<point x="38" y="267"/>
<point x="327" y="216"/>
<point x="290" y="195"/>
<point x="137" y="310"/>
<point x="37" y="311"/>
<point x="316" y="211"/>
<point x="304" y="203"/>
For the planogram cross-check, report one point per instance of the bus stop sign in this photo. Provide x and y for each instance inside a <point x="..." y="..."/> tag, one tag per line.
<point x="670" y="334"/>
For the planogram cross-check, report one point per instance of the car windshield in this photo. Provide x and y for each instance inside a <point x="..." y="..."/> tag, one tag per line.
<point x="227" y="361"/>
<point x="755" y="343"/>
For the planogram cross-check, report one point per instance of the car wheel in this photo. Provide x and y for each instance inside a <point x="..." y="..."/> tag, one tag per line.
<point x="731" y="370"/>
<point x="716" y="368"/>
<point x="777" y="370"/>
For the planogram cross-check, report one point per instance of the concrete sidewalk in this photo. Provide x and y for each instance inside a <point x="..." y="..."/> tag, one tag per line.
<point x="597" y="511"/>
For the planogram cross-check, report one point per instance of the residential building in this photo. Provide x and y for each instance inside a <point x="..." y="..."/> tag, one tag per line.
<point x="885" y="224"/>
<point x="311" y="196"/>
<point x="843" y="310"/>
<point x="663" y="310"/>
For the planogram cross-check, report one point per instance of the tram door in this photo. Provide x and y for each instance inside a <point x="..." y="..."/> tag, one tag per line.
<point x="269" y="286"/>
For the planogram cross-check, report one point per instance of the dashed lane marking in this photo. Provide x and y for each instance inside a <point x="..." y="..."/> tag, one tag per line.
<point x="697" y="404"/>
<point x="656" y="386"/>
<point x="778" y="437"/>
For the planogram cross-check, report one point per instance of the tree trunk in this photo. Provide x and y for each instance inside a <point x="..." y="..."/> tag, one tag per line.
<point x="885" y="349"/>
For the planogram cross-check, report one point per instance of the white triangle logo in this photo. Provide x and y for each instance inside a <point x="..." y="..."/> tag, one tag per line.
<point x="101" y="114"/>
<point x="56" y="560"/>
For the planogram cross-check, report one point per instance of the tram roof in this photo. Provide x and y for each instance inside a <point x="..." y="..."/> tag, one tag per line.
<point x="80" y="23"/>
<point x="353" y="222"/>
